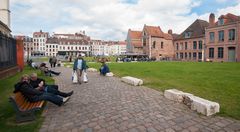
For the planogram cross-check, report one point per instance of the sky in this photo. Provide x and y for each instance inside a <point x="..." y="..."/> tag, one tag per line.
<point x="111" y="19"/>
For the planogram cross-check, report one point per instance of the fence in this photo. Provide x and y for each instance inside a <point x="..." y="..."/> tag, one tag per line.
<point x="8" y="53"/>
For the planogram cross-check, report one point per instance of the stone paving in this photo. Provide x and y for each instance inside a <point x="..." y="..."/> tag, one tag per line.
<point x="105" y="104"/>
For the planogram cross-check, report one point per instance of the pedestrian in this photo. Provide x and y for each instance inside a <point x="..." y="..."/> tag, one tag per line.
<point x="50" y="61"/>
<point x="54" y="61"/>
<point x="78" y="66"/>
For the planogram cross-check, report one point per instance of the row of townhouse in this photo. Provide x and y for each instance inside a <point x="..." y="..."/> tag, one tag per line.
<point x="105" y="48"/>
<point x="69" y="45"/>
<point x="217" y="41"/>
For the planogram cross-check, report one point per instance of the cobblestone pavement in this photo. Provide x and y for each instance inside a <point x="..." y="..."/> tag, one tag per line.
<point x="107" y="104"/>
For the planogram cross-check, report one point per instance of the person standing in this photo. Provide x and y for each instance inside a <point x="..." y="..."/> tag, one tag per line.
<point x="78" y="66"/>
<point x="50" y="61"/>
<point x="54" y="61"/>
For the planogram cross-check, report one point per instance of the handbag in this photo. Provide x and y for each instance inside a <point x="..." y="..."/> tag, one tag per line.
<point x="74" y="77"/>
<point x="85" y="78"/>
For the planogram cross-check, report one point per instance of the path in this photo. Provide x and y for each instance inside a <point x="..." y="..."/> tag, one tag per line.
<point x="107" y="104"/>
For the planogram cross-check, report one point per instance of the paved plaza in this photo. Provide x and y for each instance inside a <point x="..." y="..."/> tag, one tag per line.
<point x="107" y="104"/>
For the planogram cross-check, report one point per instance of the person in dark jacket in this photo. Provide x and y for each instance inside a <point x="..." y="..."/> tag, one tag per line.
<point x="79" y="66"/>
<point x="34" y="95"/>
<point x="45" y="69"/>
<point x="35" y="82"/>
<point x="104" y="69"/>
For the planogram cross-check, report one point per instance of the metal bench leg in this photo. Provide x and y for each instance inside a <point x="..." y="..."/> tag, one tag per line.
<point x="25" y="116"/>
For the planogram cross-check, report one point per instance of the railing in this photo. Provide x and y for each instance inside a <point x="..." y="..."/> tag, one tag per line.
<point x="8" y="54"/>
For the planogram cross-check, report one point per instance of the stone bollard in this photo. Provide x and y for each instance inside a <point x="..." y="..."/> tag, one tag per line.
<point x="132" y="80"/>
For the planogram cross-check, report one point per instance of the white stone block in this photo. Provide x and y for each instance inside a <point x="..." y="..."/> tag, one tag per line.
<point x="132" y="80"/>
<point x="175" y="95"/>
<point x="204" y="106"/>
<point x="110" y="74"/>
<point x="92" y="70"/>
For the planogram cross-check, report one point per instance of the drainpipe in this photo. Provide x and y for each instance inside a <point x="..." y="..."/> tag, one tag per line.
<point x="150" y="47"/>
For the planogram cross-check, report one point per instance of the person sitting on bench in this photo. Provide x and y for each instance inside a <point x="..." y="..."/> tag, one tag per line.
<point x="45" y="69"/>
<point x="36" y="82"/>
<point x="34" y="95"/>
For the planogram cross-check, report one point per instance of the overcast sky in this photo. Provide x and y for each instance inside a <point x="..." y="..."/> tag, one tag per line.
<point x="111" y="19"/>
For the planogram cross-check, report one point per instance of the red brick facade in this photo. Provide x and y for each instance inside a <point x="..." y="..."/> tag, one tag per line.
<point x="223" y="39"/>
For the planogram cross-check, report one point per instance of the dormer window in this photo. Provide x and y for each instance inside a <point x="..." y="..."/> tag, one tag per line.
<point x="187" y="34"/>
<point x="220" y="21"/>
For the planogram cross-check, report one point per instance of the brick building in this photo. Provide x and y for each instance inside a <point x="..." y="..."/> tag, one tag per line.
<point x="189" y="45"/>
<point x="157" y="44"/>
<point x="134" y="42"/>
<point x="223" y="38"/>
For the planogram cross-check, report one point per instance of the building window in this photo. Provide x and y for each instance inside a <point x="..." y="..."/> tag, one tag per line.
<point x="221" y="35"/>
<point x="211" y="52"/>
<point x="177" y="56"/>
<point x="231" y="34"/>
<point x="189" y="55"/>
<point x="154" y="44"/>
<point x="220" y="52"/>
<point x="194" y="44"/>
<point x="194" y="55"/>
<point x="200" y="44"/>
<point x="162" y="45"/>
<point x="200" y="55"/>
<point x="177" y="46"/>
<point x="181" y="55"/>
<point x="185" y="55"/>
<point x="144" y="41"/>
<point x="185" y="45"/>
<point x="187" y="34"/>
<point x="220" y="21"/>
<point x="212" y="37"/>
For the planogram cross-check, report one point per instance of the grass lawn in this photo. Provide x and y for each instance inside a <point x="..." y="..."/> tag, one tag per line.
<point x="7" y="113"/>
<point x="219" y="82"/>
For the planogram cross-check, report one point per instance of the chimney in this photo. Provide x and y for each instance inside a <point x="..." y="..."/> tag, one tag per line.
<point x="170" y="31"/>
<point x="5" y="12"/>
<point x="211" y="19"/>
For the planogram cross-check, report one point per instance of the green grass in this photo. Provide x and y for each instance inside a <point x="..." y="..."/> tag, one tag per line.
<point x="7" y="113"/>
<point x="219" y="82"/>
<point x="41" y="59"/>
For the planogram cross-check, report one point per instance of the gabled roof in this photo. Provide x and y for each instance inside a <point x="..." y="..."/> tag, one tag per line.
<point x="135" y="37"/>
<point x="155" y="31"/>
<point x="135" y="34"/>
<point x="197" y="29"/>
<point x="230" y="18"/>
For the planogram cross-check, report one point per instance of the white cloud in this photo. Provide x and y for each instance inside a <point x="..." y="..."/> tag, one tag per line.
<point x="104" y="19"/>
<point x="232" y="9"/>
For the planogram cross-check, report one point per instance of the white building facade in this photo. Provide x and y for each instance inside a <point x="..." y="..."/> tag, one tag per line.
<point x="39" y="42"/>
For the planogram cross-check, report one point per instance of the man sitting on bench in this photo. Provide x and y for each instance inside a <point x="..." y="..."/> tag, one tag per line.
<point x="36" y="82"/>
<point x="34" y="95"/>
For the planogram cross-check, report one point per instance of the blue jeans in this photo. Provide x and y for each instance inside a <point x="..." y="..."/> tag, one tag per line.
<point x="48" y="97"/>
<point x="53" y="89"/>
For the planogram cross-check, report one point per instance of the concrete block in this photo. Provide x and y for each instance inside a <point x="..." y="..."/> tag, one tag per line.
<point x="204" y="106"/>
<point x="132" y="80"/>
<point x="175" y="95"/>
<point x="110" y="74"/>
<point x="92" y="70"/>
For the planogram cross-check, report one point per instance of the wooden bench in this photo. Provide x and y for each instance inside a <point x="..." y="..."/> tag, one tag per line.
<point x="25" y="110"/>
